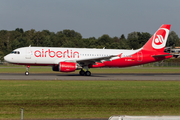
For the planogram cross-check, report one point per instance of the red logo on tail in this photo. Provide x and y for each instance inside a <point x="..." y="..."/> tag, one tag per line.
<point x="159" y="39"/>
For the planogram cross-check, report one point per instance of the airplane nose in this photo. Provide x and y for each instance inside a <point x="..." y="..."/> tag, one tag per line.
<point x="7" y="58"/>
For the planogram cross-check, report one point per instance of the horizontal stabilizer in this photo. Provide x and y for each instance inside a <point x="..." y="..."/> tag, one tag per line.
<point x="161" y="55"/>
<point x="176" y="55"/>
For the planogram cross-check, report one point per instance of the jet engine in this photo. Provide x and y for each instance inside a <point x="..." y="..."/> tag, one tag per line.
<point x="66" y="67"/>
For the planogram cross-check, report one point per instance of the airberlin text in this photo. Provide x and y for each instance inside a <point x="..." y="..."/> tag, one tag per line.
<point x="60" y="54"/>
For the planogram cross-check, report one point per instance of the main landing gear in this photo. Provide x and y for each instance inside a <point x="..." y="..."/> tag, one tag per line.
<point x="27" y="72"/>
<point x="82" y="73"/>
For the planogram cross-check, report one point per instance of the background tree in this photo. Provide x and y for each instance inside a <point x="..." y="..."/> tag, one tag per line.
<point x="137" y="39"/>
<point x="173" y="39"/>
<point x="104" y="41"/>
<point x="123" y="43"/>
<point x="143" y="38"/>
<point x="1" y="56"/>
<point x="132" y="40"/>
<point x="20" y="30"/>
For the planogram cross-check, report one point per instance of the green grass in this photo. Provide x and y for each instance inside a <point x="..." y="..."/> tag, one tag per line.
<point x="23" y="69"/>
<point x="37" y="69"/>
<point x="88" y="99"/>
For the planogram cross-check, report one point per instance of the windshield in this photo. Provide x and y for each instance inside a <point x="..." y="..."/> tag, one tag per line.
<point x="15" y="52"/>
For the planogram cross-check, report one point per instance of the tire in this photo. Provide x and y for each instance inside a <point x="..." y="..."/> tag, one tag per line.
<point x="82" y="73"/>
<point x="88" y="73"/>
<point x="26" y="73"/>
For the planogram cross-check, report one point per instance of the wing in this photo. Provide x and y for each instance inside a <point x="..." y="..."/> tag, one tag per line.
<point x="88" y="61"/>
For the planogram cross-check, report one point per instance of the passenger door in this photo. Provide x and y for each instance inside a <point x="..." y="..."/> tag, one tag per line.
<point x="28" y="53"/>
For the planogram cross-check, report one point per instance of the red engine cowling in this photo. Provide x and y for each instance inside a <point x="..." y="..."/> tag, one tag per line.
<point x="65" y="67"/>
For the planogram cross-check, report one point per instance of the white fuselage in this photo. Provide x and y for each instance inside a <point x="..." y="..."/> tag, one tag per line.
<point x="54" y="55"/>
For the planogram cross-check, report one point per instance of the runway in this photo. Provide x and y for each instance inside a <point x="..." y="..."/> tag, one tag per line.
<point x="95" y="76"/>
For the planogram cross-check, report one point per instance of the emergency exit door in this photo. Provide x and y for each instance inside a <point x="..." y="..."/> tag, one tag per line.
<point x="139" y="56"/>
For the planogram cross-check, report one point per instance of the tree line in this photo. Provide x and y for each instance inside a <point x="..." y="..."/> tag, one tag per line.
<point x="10" y="40"/>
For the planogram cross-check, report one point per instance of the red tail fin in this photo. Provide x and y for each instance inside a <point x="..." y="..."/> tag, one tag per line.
<point x="158" y="40"/>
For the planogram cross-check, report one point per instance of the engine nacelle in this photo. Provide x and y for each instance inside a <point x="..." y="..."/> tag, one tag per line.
<point x="65" y="67"/>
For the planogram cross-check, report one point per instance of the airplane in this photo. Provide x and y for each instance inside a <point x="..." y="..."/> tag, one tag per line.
<point x="71" y="59"/>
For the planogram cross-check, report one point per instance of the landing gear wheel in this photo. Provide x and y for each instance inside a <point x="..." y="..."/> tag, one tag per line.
<point x="27" y="73"/>
<point x="88" y="73"/>
<point x="82" y="72"/>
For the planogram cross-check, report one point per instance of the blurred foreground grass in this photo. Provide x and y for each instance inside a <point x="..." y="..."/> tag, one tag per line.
<point x="88" y="99"/>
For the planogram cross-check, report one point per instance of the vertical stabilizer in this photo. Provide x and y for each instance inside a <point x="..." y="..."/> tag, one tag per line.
<point x="158" y="41"/>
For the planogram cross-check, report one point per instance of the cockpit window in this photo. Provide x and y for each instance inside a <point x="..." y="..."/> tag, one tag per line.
<point x="15" y="52"/>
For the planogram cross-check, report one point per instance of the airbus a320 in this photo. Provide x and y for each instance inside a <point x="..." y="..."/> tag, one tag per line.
<point x="71" y="59"/>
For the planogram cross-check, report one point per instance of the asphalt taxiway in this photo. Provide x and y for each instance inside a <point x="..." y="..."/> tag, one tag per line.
<point x="95" y="76"/>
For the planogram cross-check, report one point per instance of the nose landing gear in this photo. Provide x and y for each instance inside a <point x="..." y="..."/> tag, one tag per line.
<point x="27" y="72"/>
